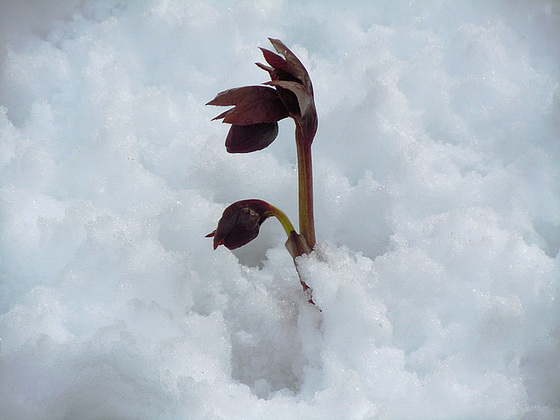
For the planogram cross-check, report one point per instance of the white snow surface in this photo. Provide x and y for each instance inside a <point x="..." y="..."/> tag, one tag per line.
<point x="437" y="196"/>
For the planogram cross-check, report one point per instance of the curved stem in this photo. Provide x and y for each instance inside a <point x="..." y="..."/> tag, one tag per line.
<point x="283" y="219"/>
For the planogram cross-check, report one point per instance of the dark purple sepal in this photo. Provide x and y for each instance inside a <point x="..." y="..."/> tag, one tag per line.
<point x="250" y="138"/>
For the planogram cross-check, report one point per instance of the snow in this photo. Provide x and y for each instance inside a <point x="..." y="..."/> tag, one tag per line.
<point x="437" y="194"/>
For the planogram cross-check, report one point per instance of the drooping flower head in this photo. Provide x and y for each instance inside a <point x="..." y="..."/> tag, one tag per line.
<point x="240" y="223"/>
<point x="257" y="109"/>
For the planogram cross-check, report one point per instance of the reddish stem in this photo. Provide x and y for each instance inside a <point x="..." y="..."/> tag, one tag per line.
<point x="305" y="188"/>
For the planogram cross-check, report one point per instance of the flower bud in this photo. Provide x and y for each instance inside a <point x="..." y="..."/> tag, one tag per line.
<point x="240" y="223"/>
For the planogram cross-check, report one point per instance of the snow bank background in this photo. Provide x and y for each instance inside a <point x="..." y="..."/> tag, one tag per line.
<point x="437" y="167"/>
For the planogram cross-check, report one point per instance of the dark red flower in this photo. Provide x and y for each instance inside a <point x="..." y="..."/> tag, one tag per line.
<point x="240" y="223"/>
<point x="257" y="109"/>
<point x="254" y="118"/>
<point x="294" y="87"/>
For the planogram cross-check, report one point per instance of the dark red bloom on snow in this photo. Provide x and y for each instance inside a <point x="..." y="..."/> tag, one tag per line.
<point x="254" y="118"/>
<point x="257" y="109"/>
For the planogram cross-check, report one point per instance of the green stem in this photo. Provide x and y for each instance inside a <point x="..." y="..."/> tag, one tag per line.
<point x="283" y="219"/>
<point x="305" y="188"/>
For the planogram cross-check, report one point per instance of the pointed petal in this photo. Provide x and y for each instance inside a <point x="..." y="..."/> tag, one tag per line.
<point x="253" y="104"/>
<point x="275" y="60"/>
<point x="250" y="138"/>
<point x="222" y="115"/>
<point x="235" y="95"/>
<point x="294" y="66"/>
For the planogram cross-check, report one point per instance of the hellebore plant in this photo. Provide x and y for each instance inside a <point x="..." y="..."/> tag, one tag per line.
<point x="254" y="125"/>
